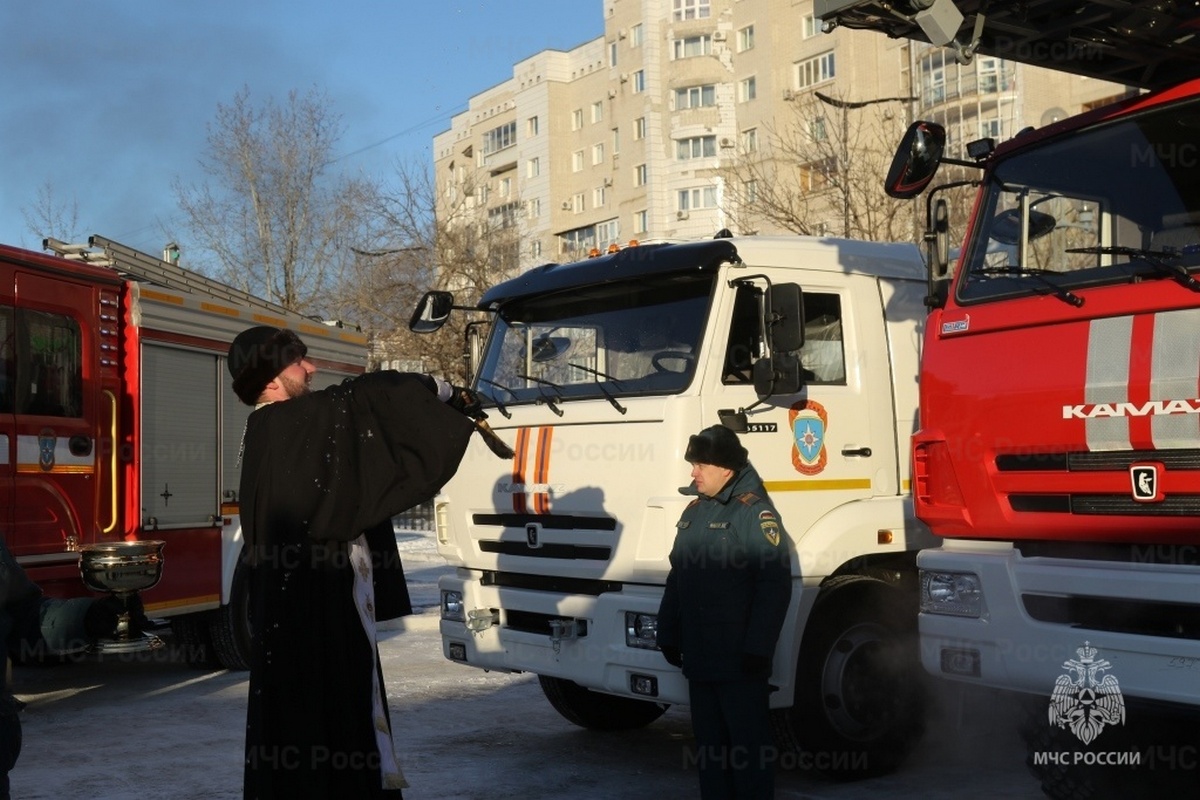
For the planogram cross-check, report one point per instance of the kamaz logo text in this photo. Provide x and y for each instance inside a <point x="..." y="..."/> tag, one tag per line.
<point x="1151" y="408"/>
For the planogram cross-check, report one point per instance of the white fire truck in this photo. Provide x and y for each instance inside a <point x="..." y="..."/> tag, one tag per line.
<point x="596" y="373"/>
<point x="117" y="422"/>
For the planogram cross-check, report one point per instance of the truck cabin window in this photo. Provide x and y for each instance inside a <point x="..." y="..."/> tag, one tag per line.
<point x="822" y="359"/>
<point x="8" y="361"/>
<point x="1117" y="203"/>
<point x="602" y="341"/>
<point x="49" y="365"/>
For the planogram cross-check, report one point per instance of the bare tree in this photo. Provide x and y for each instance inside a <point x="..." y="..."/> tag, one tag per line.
<point x="51" y="216"/>
<point x="419" y="241"/>
<point x="819" y="171"/>
<point x="278" y="224"/>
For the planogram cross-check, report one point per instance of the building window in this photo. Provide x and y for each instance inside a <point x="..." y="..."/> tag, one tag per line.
<point x="616" y="140"/>
<point x="535" y="248"/>
<point x="577" y="119"/>
<point x="599" y="197"/>
<point x="815" y="70"/>
<point x="533" y="209"/>
<point x="693" y="46"/>
<point x="505" y="187"/>
<point x="809" y="26"/>
<point x="500" y="138"/>
<point x="639" y="129"/>
<point x="608" y="232"/>
<point x="636" y="35"/>
<point x="577" y="161"/>
<point x="750" y="140"/>
<point x="531" y="127"/>
<point x="579" y="203"/>
<point x="504" y="216"/>
<point x="750" y="191"/>
<point x="640" y="175"/>
<point x="697" y="198"/>
<point x="745" y="38"/>
<point x="696" y="147"/>
<point x="641" y="221"/>
<point x="748" y="89"/>
<point x="533" y="168"/>
<point x="817" y="130"/>
<point x="692" y="9"/>
<point x="695" y="97"/>
<point x="597" y="111"/>
<point x="612" y="54"/>
<point x="597" y="154"/>
<point x="639" y="81"/>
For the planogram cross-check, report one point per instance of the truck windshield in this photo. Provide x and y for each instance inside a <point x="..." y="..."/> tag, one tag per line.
<point x="606" y="341"/>
<point x="1115" y="203"/>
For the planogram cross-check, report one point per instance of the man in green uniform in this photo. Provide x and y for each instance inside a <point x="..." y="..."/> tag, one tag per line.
<point x="724" y="604"/>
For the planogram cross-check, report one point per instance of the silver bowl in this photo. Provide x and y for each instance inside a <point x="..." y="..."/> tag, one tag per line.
<point x="123" y="569"/>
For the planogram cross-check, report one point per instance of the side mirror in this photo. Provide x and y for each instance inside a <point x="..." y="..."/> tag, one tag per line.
<point x="777" y="374"/>
<point x="941" y="239"/>
<point x="431" y="313"/>
<point x="785" y="323"/>
<point x="916" y="160"/>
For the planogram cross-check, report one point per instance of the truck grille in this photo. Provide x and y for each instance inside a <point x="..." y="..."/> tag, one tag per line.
<point x="1172" y="620"/>
<point x="1173" y="505"/>
<point x="1178" y="505"/>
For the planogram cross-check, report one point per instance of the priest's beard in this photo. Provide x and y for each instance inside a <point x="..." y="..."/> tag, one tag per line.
<point x="295" y="388"/>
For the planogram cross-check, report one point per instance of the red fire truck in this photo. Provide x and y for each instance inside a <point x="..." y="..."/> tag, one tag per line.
<point x="1058" y="450"/>
<point x="117" y="422"/>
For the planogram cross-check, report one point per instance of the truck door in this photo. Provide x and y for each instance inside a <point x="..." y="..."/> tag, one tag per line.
<point x="827" y="445"/>
<point x="54" y="502"/>
<point x="8" y="440"/>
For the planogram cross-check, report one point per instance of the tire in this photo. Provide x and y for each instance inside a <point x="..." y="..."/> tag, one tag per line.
<point x="229" y="627"/>
<point x="859" y="683"/>
<point x="194" y="642"/>
<point x="598" y="711"/>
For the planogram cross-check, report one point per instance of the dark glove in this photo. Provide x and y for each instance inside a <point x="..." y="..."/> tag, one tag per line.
<point x="466" y="402"/>
<point x="753" y="664"/>
<point x="672" y="655"/>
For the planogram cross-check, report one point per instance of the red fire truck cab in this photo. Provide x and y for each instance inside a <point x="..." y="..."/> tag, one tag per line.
<point x="117" y="422"/>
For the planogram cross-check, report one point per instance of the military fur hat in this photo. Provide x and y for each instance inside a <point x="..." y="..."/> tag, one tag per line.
<point x="258" y="355"/>
<point x="718" y="446"/>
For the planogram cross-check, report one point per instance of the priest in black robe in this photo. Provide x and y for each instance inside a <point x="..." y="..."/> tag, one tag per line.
<point x="323" y="473"/>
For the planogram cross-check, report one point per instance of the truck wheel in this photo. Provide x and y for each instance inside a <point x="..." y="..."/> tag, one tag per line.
<point x="230" y="624"/>
<point x="857" y="710"/>
<point x="194" y="641"/>
<point x="598" y="711"/>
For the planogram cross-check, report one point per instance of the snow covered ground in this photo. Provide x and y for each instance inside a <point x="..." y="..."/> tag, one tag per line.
<point x="150" y="727"/>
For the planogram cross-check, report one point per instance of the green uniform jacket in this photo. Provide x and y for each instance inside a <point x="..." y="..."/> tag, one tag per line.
<point x="730" y="581"/>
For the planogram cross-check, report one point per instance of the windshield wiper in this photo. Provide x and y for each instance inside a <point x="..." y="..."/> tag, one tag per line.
<point x="499" y="406"/>
<point x="1040" y="274"/>
<point x="1164" y="262"/>
<point x="542" y="398"/>
<point x="600" y="385"/>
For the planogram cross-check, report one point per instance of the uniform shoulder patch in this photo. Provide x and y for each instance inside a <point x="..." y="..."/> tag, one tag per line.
<point x="770" y="526"/>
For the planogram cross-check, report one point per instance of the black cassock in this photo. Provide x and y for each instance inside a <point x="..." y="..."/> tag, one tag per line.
<point x="318" y="471"/>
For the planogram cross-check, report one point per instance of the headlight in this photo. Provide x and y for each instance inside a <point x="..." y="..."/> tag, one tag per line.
<point x="641" y="630"/>
<point x="452" y="606"/>
<point x="957" y="593"/>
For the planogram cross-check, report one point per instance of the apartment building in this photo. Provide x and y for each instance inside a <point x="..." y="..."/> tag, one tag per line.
<point x="638" y="132"/>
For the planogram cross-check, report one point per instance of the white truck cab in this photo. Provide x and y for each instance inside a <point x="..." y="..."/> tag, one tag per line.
<point x="596" y="373"/>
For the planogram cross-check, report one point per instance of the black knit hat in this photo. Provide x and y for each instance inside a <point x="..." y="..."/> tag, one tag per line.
<point x="258" y="355"/>
<point x="718" y="446"/>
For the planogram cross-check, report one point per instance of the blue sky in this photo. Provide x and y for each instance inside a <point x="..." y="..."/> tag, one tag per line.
<point x="107" y="101"/>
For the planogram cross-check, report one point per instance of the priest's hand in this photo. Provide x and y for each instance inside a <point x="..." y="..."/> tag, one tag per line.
<point x="465" y="401"/>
